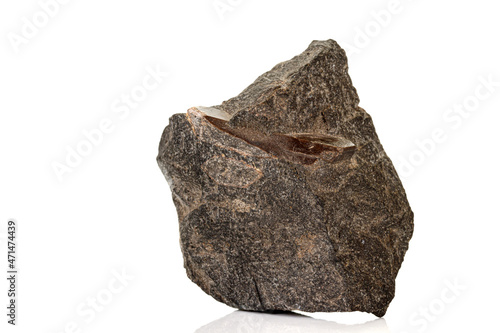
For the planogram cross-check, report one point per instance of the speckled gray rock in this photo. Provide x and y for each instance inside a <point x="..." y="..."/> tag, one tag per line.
<point x="285" y="197"/>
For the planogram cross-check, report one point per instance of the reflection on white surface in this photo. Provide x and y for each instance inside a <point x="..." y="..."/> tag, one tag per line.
<point x="250" y="322"/>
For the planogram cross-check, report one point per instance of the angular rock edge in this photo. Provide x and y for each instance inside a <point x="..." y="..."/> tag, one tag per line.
<point x="285" y="197"/>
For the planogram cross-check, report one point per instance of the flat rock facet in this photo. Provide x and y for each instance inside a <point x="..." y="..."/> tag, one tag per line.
<point x="285" y="197"/>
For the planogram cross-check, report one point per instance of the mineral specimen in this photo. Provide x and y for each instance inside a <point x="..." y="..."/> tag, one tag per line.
<point x="285" y="197"/>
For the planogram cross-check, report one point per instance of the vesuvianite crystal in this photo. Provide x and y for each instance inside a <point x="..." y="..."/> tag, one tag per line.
<point x="285" y="197"/>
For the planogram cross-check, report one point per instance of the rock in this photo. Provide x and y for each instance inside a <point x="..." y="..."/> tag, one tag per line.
<point x="285" y="197"/>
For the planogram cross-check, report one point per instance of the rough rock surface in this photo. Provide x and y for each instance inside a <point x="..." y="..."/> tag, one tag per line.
<point x="285" y="197"/>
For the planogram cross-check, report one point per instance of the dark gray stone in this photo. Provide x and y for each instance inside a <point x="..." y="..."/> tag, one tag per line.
<point x="285" y="197"/>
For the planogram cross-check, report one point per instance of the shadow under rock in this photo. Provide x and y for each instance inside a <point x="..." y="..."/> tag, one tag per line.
<point x="258" y="322"/>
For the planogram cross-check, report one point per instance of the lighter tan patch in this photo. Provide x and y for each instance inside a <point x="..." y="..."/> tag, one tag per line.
<point x="230" y="172"/>
<point x="306" y="245"/>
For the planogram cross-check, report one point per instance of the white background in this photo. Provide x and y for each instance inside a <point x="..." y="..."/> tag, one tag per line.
<point x="413" y="71"/>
